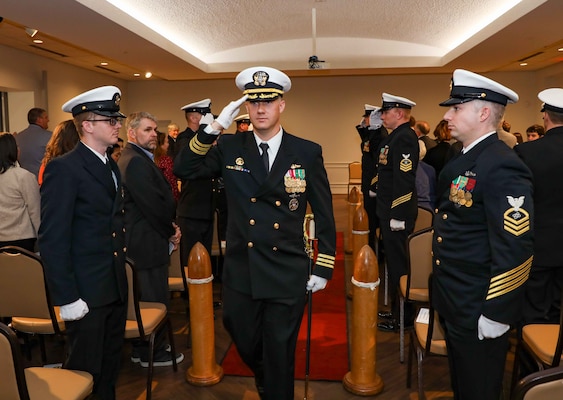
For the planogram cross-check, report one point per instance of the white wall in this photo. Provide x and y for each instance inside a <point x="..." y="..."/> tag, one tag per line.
<point x="323" y="109"/>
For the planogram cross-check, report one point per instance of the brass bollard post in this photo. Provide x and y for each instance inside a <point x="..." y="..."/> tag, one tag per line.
<point x="205" y="371"/>
<point x="363" y="379"/>
<point x="360" y="233"/>
<point x="353" y="204"/>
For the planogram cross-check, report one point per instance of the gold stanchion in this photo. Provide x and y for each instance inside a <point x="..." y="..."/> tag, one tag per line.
<point x="205" y="371"/>
<point x="353" y="204"/>
<point x="363" y="379"/>
<point x="360" y="234"/>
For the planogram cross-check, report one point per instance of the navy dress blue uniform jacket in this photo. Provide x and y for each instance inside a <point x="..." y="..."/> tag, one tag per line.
<point x="81" y="237"/>
<point x="396" y="175"/>
<point x="265" y="255"/>
<point x="545" y="161"/>
<point x="482" y="243"/>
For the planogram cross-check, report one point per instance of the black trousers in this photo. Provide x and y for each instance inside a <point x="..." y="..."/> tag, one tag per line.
<point x="193" y="231"/>
<point x="543" y="295"/>
<point x="476" y="366"/>
<point x="94" y="346"/>
<point x="154" y="288"/>
<point x="373" y="222"/>
<point x="265" y="333"/>
<point x="395" y="244"/>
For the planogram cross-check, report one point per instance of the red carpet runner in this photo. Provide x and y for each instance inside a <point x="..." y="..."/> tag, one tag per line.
<point x="329" y="341"/>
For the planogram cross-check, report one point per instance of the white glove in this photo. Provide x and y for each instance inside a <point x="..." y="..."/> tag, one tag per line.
<point x="375" y="120"/>
<point x="489" y="329"/>
<point x="316" y="283"/>
<point x="207" y="119"/>
<point x="225" y="119"/>
<point x="372" y="193"/>
<point x="74" y="311"/>
<point x="397" y="225"/>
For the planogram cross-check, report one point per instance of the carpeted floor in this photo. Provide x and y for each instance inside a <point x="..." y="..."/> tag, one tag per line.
<point x="329" y="344"/>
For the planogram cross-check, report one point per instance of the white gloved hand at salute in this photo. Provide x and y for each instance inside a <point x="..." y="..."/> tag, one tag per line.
<point x="231" y="110"/>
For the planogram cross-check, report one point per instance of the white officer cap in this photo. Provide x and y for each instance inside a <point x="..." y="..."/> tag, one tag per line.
<point x="390" y="101"/>
<point x="368" y="109"/>
<point x="467" y="86"/>
<point x="102" y="101"/>
<point x="243" y="118"/>
<point x="203" y="107"/>
<point x="552" y="100"/>
<point x="263" y="83"/>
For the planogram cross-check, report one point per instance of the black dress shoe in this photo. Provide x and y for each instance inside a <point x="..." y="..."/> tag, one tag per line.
<point x="389" y="325"/>
<point x="385" y="314"/>
<point x="260" y="387"/>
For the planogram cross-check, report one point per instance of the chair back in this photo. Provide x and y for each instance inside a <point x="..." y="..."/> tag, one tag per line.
<point x="419" y="252"/>
<point x="12" y="384"/>
<point x="23" y="287"/>
<point x="424" y="219"/>
<point x="436" y="332"/>
<point x="133" y="296"/>
<point x="355" y="170"/>
<point x="542" y="385"/>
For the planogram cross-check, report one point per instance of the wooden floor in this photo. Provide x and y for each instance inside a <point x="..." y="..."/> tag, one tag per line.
<point x="170" y="385"/>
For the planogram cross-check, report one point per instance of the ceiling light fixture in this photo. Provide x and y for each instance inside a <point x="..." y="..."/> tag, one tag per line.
<point x="31" y="32"/>
<point x="137" y="74"/>
<point x="148" y="75"/>
<point x="523" y="64"/>
<point x="37" y="41"/>
<point x="104" y="63"/>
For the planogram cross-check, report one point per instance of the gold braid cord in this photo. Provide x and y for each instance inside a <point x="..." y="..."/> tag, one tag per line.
<point x="308" y="244"/>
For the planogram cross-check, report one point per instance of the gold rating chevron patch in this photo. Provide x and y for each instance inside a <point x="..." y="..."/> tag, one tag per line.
<point x="516" y="219"/>
<point x="406" y="163"/>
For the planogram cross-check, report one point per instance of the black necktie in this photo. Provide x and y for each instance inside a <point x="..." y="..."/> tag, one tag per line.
<point x="265" y="157"/>
<point x="111" y="175"/>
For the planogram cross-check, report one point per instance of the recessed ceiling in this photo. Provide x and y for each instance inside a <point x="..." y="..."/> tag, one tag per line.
<point x="188" y="39"/>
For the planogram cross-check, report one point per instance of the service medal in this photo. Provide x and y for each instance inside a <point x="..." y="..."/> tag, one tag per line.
<point x="293" y="204"/>
<point x="239" y="161"/>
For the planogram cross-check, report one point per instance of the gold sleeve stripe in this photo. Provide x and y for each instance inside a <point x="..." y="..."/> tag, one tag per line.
<point x="324" y="260"/>
<point x="375" y="179"/>
<point x="510" y="280"/>
<point x="199" y="148"/>
<point x="401" y="200"/>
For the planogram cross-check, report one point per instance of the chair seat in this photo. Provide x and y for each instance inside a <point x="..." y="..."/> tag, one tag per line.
<point x="151" y="314"/>
<point x="542" y="340"/>
<point x="419" y="295"/>
<point x="57" y="384"/>
<point x="175" y="284"/>
<point x="437" y="346"/>
<point x="41" y="326"/>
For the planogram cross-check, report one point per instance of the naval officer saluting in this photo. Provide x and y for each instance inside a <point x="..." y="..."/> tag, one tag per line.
<point x="270" y="176"/>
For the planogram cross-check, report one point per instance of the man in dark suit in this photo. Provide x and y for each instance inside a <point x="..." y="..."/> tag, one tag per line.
<point x="33" y="140"/>
<point x="150" y="231"/>
<point x="543" y="157"/>
<point x="371" y="131"/>
<point x="196" y="208"/>
<point x="395" y="186"/>
<point x="270" y="176"/>
<point x="482" y="244"/>
<point x="82" y="240"/>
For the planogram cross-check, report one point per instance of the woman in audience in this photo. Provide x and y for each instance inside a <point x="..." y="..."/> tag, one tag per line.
<point x="64" y="139"/>
<point x="19" y="198"/>
<point x="165" y="163"/>
<point x="437" y="155"/>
